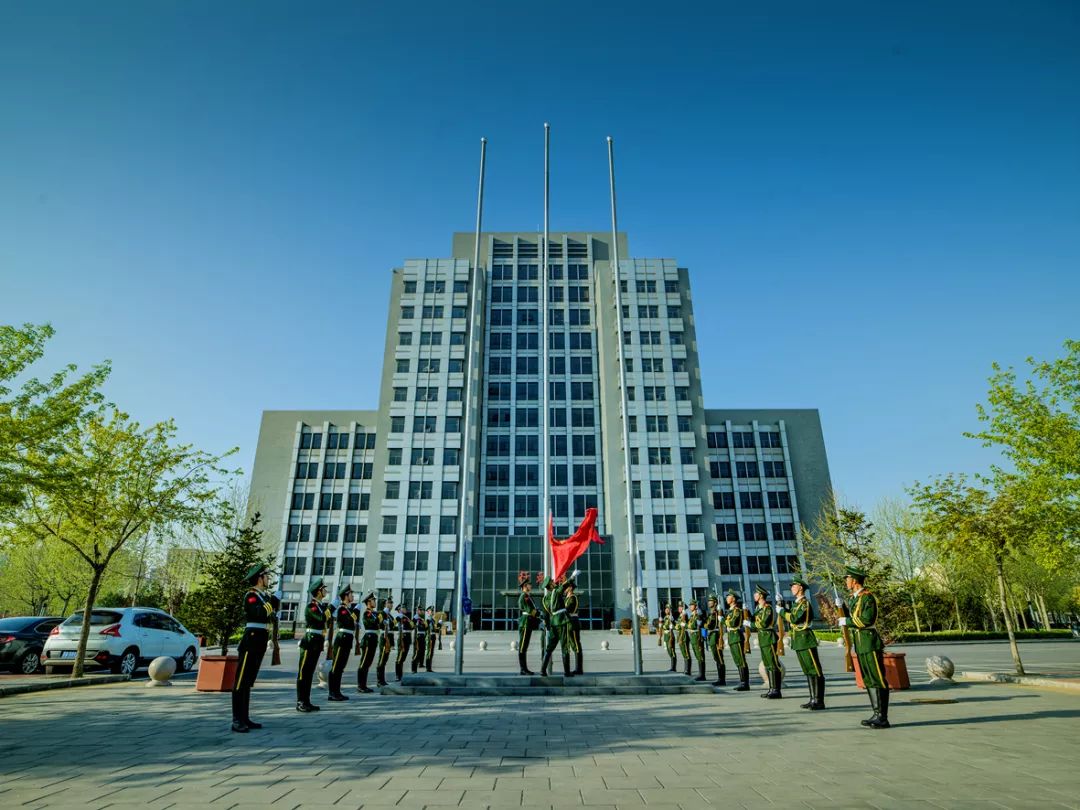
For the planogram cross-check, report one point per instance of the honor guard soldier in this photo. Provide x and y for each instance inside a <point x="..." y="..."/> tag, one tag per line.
<point x="667" y="635"/>
<point x="344" y="638"/>
<point x="260" y="616"/>
<point x="696" y="630"/>
<point x="528" y="620"/>
<point x="765" y="624"/>
<point x="432" y="636"/>
<point x="404" y="640"/>
<point x="803" y="641"/>
<point x="574" y="629"/>
<point x="368" y="644"/>
<point x="319" y="618"/>
<point x="738" y="629"/>
<point x="682" y="635"/>
<point x="558" y="627"/>
<point x="386" y="639"/>
<point x="863" y="610"/>
<point x="422" y="631"/>
<point x="714" y="624"/>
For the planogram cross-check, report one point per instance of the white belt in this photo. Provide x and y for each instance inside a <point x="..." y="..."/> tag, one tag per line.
<point x="315" y="632"/>
<point x="256" y="626"/>
<point x="371" y="632"/>
<point x="557" y="612"/>
<point x="345" y="632"/>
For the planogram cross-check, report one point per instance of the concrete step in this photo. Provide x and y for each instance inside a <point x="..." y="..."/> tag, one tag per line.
<point x="502" y="685"/>
<point x="547" y="691"/>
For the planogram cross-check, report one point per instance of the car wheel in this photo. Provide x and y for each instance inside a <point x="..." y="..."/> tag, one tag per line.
<point x="186" y="663"/>
<point x="30" y="663"/>
<point x="127" y="663"/>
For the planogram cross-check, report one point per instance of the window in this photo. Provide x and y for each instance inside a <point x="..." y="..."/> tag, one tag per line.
<point x="407" y="313"/>
<point x="674" y="312"/>
<point x="448" y="524"/>
<point x="581" y="390"/>
<point x="750" y="500"/>
<point x="649" y="338"/>
<point x="644" y="286"/>
<point x="689" y="489"/>
<point x="401" y="394"/>
<point x="671" y="286"/>
<point x="787" y="564"/>
<point x="693" y="524"/>
<point x="431" y="338"/>
<point x="686" y="455"/>
<point x="418" y="524"/>
<point x="557" y="445"/>
<point x="499" y="365"/>
<point x="557" y="475"/>
<point x="389" y="524"/>
<point x="580" y="317"/>
<point x="528" y="365"/>
<point x="774" y="469"/>
<point x="447" y="561"/>
<point x="431" y="312"/>
<point x="659" y="455"/>
<point x="652" y="364"/>
<point x="584" y="445"/>
<point x="393" y="490"/>
<point x="557" y="317"/>
<point x="527" y="295"/>
<point x="322" y="566"/>
<point x="528" y="341"/>
<point x="746" y="469"/>
<point x="453" y="424"/>
<point x="584" y="475"/>
<point x="434" y="286"/>
<point x="723" y="500"/>
<point x="577" y="295"/>
<point x="667" y="560"/>
<point x="386" y="561"/>
<point x="577" y="272"/>
<point x="497" y="475"/>
<point x="730" y="566"/>
<point x="527" y="317"/>
<point x="330" y="500"/>
<point x="655" y="393"/>
<point x="404" y="338"/>
<point x="501" y="341"/>
<point x="582" y="340"/>
<point x="557" y="391"/>
<point x="454" y="366"/>
<point x="758" y="564"/>
<point x="754" y="531"/>
<point x="457" y="338"/>
<point x="498" y="445"/>
<point x="676" y="338"/>
<point x="678" y="365"/>
<point x="425" y="424"/>
<point x="352" y="566"/>
<point x="720" y="469"/>
<point x="783" y="531"/>
<point x="527" y="417"/>
<point x="769" y="438"/>
<point x="662" y="489"/>
<point x="697" y="559"/>
<point x="526" y="506"/>
<point x="326" y="534"/>
<point x="402" y="367"/>
<point x="528" y="475"/>
<point x="393" y="456"/>
<point x="451" y="457"/>
<point x="526" y="445"/>
<point x="294" y="566"/>
<point x="420" y="489"/>
<point x="458" y="311"/>
<point x="449" y="490"/>
<point x="727" y="533"/>
<point x="663" y="524"/>
<point x="557" y="341"/>
<point x="648" y="311"/>
<point x="582" y="417"/>
<point x="453" y="394"/>
<point x="409" y="288"/>
<point x="555" y="295"/>
<point x="422" y="456"/>
<point x="427" y="394"/>
<point x="656" y="424"/>
<point x="497" y="506"/>
<point x="635" y="489"/>
<point x="744" y="439"/>
<point x="716" y="439"/>
<point x="682" y="393"/>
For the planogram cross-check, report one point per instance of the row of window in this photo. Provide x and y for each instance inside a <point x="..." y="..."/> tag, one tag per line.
<point x="531" y="272"/>
<point x="435" y="286"/>
<point x="658" y="393"/>
<point x="420" y="524"/>
<point x="528" y="475"/>
<point x="525" y="365"/>
<point x="430" y="365"/>
<point x="531" y="317"/>
<point x="312" y="440"/>
<point x="422" y="490"/>
<point x="423" y="456"/>
<point x="748" y="469"/>
<point x="729" y="532"/>
<point x="529" y="445"/>
<point x="668" y="560"/>
<point x="426" y="393"/>
<point x="359" y="471"/>
<point x="644" y="286"/>
<point x="752" y="500"/>
<point x="528" y="506"/>
<point x="655" y="365"/>
<point x="432" y="312"/>
<point x="323" y="566"/>
<point x="659" y="424"/>
<point x="501" y="391"/>
<point x="744" y="439"/>
<point x="758" y="564"/>
<point x="325" y="533"/>
<point x="530" y="341"/>
<point x="653" y="338"/>
<point x="357" y="501"/>
<point x="530" y="417"/>
<point x="652" y="311"/>
<point x="504" y="294"/>
<point x="430" y="338"/>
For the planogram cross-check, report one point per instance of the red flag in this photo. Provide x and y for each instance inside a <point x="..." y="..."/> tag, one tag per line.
<point x="566" y="551"/>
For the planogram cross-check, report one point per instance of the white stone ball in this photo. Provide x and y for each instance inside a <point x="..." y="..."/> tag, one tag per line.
<point x="513" y="645"/>
<point x="840" y="642"/>
<point x="604" y="645"/>
<point x="452" y="643"/>
<point x="324" y="673"/>
<point x="940" y="668"/>
<point x="160" y="670"/>
<point x="483" y="646"/>
<point x="765" y="677"/>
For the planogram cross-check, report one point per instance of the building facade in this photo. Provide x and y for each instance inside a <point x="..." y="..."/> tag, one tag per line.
<point x="594" y="380"/>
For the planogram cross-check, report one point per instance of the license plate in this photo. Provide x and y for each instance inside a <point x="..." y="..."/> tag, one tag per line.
<point x="68" y="653"/>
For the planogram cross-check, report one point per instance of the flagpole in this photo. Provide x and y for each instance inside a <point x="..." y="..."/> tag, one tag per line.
<point x="463" y="476"/>
<point x="635" y="575"/>
<point x="545" y="497"/>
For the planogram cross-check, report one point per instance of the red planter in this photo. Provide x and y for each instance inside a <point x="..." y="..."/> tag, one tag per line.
<point x="896" y="674"/>
<point x="217" y="673"/>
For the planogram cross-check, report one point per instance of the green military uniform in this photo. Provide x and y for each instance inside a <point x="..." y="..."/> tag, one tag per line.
<point x="558" y="628"/>
<point x="682" y="635"/>
<point x="318" y="617"/>
<point x="574" y="631"/>
<point x="432" y="636"/>
<point x="803" y="641"/>
<point x="344" y="639"/>
<point x="695" y="629"/>
<point x="870" y="649"/>
<point x="765" y="624"/>
<point x="386" y="644"/>
<point x="737" y="631"/>
<point x="420" y="650"/>
<point x="667" y="636"/>
<point x="714" y="641"/>
<point x="404" y="642"/>
<point x="370" y="624"/>
<point x="528" y="620"/>
<point x="260" y="616"/>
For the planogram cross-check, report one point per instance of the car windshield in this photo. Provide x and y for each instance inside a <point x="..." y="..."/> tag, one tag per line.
<point x="97" y="617"/>
<point x="16" y="623"/>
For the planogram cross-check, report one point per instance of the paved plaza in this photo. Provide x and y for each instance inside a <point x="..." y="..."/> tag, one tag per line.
<point x="125" y="745"/>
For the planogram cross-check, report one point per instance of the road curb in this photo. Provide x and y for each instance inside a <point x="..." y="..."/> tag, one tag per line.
<point x="60" y="683"/>
<point x="1022" y="680"/>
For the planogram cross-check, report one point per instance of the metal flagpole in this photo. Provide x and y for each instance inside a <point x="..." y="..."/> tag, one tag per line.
<point x="463" y="477"/>
<point x="545" y="422"/>
<point x="635" y="574"/>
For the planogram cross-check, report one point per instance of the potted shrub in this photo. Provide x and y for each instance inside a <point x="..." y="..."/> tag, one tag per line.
<point x="626" y="626"/>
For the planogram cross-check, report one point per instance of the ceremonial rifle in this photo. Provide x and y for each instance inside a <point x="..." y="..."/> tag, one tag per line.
<point x="745" y="627"/>
<point x="849" y="665"/>
<point x="779" y="617"/>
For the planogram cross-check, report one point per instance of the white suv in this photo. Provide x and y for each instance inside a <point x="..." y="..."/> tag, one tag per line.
<point x="121" y="639"/>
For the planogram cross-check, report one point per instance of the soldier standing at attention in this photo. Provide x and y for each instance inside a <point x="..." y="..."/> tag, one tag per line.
<point x="765" y="624"/>
<point x="736" y="627"/>
<point x="667" y="635"/>
<point x="422" y="631"/>
<point x="259" y="613"/>
<point x="799" y="617"/>
<point x="574" y="628"/>
<point x="404" y="641"/>
<point x="344" y="638"/>
<point x="558" y="627"/>
<point x="432" y="634"/>
<point x="528" y="620"/>
<point x="696" y="629"/>
<point x="682" y="635"/>
<point x="369" y="642"/>
<point x="318" y="617"/>
<point x="863" y="609"/>
<point x="714" y="624"/>
<point x="386" y="622"/>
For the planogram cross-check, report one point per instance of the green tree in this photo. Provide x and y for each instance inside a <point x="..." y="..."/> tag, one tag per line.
<point x="120" y="482"/>
<point x="904" y="545"/>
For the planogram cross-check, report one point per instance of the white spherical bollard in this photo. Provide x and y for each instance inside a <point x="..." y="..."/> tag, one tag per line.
<point x="604" y="645"/>
<point x="160" y="670"/>
<point x="764" y="676"/>
<point x="940" y="669"/>
<point x="453" y="642"/>
<point x="840" y="642"/>
<point x="513" y="646"/>
<point x="324" y="673"/>
<point x="483" y="646"/>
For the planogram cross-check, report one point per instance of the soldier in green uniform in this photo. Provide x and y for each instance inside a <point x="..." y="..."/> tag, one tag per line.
<point x="682" y="635"/>
<point x="432" y="636"/>
<point x="696" y="631"/>
<point x="259" y="615"/>
<point x="863" y="610"/>
<point x="558" y="626"/>
<point x="667" y="636"/>
<point x="368" y="643"/>
<point x="386" y="640"/>
<point x="319" y="617"/>
<point x="404" y="640"/>
<point x="765" y="624"/>
<point x="799" y="617"/>
<point x="714" y="623"/>
<point x="422" y="630"/>
<point x="574" y="630"/>
<point x="736" y="628"/>
<point x="528" y="620"/>
<point x="344" y="638"/>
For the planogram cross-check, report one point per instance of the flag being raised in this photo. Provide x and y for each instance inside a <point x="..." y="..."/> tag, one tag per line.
<point x="565" y="552"/>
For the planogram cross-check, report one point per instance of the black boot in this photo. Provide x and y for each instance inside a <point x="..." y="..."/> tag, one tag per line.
<point x="701" y="670"/>
<point x="380" y="676"/>
<point x="674" y="664"/>
<point x="427" y="666"/>
<point x="361" y="682"/>
<point x="769" y="680"/>
<point x="872" y="693"/>
<point x="545" y="665"/>
<point x="238" y="724"/>
<point x="566" y="666"/>
<point x="778" y="680"/>
<point x="247" y="711"/>
<point x="579" y="660"/>
<point x="744" y="680"/>
<point x="819" y="693"/>
<point x="721" y="675"/>
<point x="811" y="686"/>
<point x="687" y="671"/>
<point x="882" y="720"/>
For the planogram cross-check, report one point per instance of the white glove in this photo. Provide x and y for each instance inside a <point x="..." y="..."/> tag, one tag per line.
<point x="746" y="624"/>
<point x="843" y="621"/>
<point x="839" y="602"/>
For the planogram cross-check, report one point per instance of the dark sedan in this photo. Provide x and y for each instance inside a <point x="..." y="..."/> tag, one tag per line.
<point x="22" y="639"/>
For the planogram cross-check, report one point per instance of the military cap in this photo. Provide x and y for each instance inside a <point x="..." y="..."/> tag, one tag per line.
<point x="798" y="581"/>
<point x="549" y="583"/>
<point x="369" y="597"/>
<point x="431" y="608"/>
<point x="855" y="572"/>
<point x="571" y="584"/>
<point x="714" y="598"/>
<point x="733" y="593"/>
<point x="315" y="585"/>
<point x="344" y="589"/>
<point x="255" y="571"/>
<point x="762" y="590"/>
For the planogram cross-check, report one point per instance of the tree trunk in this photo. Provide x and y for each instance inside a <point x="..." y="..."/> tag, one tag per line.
<point x="956" y="607"/>
<point x="1044" y="614"/>
<point x="84" y="634"/>
<point x="1013" y="648"/>
<point x="915" y="611"/>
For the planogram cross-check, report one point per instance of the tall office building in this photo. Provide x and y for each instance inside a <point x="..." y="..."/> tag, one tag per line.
<point x="377" y="498"/>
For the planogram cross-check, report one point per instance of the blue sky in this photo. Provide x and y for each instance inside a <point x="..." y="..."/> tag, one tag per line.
<point x="876" y="201"/>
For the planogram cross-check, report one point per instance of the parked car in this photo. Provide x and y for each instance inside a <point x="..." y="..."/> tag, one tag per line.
<point x="122" y="640"/>
<point x="22" y="639"/>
